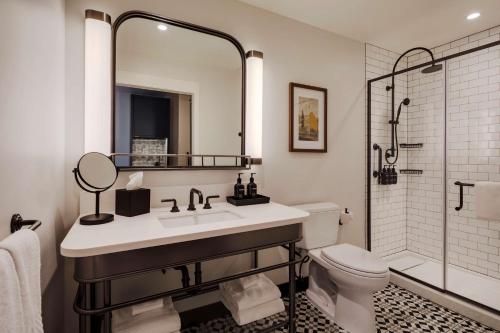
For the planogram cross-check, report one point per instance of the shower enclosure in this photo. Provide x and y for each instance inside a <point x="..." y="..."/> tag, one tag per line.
<point x="447" y="138"/>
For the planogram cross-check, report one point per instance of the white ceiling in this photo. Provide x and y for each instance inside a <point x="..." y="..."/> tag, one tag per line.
<point x="393" y="24"/>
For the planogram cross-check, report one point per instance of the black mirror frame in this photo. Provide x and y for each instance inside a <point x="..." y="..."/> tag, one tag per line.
<point x="181" y="24"/>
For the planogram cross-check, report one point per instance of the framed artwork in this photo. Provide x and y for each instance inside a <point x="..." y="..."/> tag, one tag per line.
<point x="308" y="125"/>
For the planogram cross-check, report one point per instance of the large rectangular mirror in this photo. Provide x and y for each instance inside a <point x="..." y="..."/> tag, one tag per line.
<point x="179" y="89"/>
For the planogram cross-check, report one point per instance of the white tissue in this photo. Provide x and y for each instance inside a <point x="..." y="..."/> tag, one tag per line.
<point x="346" y="217"/>
<point x="135" y="181"/>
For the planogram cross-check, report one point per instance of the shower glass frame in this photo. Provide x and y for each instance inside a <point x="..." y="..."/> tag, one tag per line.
<point x="369" y="169"/>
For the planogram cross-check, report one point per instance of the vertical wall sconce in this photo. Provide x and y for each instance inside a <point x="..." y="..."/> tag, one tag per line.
<point x="97" y="82"/>
<point x="253" y="119"/>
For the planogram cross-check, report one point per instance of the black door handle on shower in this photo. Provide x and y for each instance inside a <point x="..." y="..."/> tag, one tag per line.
<point x="461" y="195"/>
<point x="377" y="173"/>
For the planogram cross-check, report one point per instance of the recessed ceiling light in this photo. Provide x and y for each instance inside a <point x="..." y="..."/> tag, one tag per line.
<point x="162" y="27"/>
<point x="473" y="16"/>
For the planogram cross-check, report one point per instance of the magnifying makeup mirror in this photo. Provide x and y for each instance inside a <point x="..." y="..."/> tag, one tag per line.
<point x="95" y="173"/>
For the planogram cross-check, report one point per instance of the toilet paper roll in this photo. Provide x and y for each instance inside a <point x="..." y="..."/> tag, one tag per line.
<point x="346" y="217"/>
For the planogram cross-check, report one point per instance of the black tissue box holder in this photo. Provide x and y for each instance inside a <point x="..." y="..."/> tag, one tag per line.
<point x="133" y="202"/>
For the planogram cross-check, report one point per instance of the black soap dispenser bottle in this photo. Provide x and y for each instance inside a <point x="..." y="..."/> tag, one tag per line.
<point x="239" y="188"/>
<point x="394" y="175"/>
<point x="252" y="187"/>
<point x="384" y="176"/>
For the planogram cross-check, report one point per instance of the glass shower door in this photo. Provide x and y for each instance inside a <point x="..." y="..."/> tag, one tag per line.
<point x="473" y="155"/>
<point x="408" y="218"/>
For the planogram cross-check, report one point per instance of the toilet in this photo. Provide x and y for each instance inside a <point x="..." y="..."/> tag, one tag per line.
<point x="342" y="277"/>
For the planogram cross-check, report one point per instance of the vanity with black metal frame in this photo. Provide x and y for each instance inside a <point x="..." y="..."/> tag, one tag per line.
<point x="95" y="274"/>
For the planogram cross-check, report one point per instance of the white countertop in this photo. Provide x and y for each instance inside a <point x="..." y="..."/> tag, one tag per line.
<point x="131" y="233"/>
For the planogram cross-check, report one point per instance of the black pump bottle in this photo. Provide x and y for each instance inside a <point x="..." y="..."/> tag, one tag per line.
<point x="239" y="188"/>
<point x="252" y="187"/>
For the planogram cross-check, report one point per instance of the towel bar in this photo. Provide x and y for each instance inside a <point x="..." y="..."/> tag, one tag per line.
<point x="459" y="183"/>
<point x="17" y="222"/>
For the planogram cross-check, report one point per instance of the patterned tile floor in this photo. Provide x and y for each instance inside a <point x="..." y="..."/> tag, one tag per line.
<point x="397" y="311"/>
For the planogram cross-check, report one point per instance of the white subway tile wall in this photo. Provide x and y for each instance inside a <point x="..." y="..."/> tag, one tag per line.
<point x="410" y="214"/>
<point x="425" y="197"/>
<point x="388" y="202"/>
<point x="473" y="149"/>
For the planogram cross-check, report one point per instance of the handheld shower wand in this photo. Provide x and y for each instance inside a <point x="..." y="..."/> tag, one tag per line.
<point x="394" y="150"/>
<point x="406" y="102"/>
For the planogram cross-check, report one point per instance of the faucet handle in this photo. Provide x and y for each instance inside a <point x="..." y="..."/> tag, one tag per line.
<point x="174" y="209"/>
<point x="207" y="203"/>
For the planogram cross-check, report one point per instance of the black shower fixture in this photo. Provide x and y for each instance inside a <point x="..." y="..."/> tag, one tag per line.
<point x="432" y="69"/>
<point x="393" y="151"/>
<point x="406" y="102"/>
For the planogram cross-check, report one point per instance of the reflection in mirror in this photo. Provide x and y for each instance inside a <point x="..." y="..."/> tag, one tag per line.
<point x="178" y="91"/>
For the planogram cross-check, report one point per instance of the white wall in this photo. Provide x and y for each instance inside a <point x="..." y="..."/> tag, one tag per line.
<point x="292" y="52"/>
<point x="32" y="132"/>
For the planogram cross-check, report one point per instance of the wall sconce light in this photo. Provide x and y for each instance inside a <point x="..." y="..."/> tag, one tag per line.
<point x="97" y="82"/>
<point x="253" y="110"/>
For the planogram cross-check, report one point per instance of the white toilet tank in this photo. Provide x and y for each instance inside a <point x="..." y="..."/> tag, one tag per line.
<point x="321" y="227"/>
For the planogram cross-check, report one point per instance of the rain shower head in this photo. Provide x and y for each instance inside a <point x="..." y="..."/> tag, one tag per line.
<point x="406" y="101"/>
<point x="432" y="69"/>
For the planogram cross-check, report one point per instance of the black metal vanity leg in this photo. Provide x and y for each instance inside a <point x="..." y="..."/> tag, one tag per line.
<point x="291" y="291"/>
<point x="197" y="273"/>
<point x="96" y="295"/>
<point x="107" y="302"/>
<point x="82" y="319"/>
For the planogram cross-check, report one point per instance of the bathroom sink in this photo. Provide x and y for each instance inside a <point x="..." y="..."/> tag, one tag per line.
<point x="196" y="219"/>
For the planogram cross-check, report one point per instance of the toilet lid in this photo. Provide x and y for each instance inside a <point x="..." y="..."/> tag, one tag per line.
<point x="354" y="258"/>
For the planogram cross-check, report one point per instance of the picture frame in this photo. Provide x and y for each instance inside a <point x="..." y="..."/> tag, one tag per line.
<point x="308" y="118"/>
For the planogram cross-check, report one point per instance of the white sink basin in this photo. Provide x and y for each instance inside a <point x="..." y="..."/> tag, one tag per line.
<point x="204" y="218"/>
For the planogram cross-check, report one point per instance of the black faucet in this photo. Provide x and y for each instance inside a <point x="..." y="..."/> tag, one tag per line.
<point x="191" y="198"/>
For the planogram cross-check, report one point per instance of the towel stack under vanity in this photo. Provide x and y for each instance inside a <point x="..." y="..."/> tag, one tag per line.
<point x="251" y="298"/>
<point x="157" y="316"/>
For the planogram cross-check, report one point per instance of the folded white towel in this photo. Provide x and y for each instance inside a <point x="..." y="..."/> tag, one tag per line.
<point x="160" y="320"/>
<point x="258" y="312"/>
<point x="240" y="299"/>
<point x="488" y="200"/>
<point x="11" y="308"/>
<point x="24" y="248"/>
<point x="250" y="281"/>
<point x="148" y="306"/>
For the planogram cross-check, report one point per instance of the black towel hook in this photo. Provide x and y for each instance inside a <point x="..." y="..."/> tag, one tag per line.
<point x="17" y="222"/>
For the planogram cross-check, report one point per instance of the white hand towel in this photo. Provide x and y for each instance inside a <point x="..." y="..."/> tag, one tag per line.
<point x="258" y="312"/>
<point x="147" y="306"/>
<point x="11" y="308"/>
<point x="240" y="299"/>
<point x="249" y="281"/>
<point x="162" y="320"/>
<point x="24" y="247"/>
<point x="488" y="200"/>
